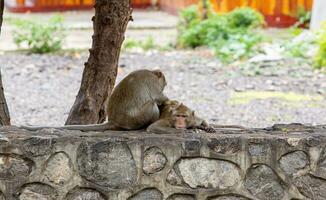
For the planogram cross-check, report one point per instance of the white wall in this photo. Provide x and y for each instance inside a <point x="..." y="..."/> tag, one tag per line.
<point x="318" y="13"/>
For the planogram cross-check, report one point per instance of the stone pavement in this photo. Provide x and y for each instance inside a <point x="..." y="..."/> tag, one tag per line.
<point x="147" y="23"/>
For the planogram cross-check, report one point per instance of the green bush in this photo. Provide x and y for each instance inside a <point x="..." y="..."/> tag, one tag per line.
<point x="320" y="59"/>
<point x="189" y="15"/>
<point x="230" y="35"/>
<point x="245" y="18"/>
<point x="238" y="46"/>
<point x="204" y="33"/>
<point x="303" y="16"/>
<point x="40" y="37"/>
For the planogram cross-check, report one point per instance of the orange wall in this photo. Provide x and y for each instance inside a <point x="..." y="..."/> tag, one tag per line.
<point x="267" y="7"/>
<point x="50" y="3"/>
<point x="278" y="13"/>
<point x="60" y="5"/>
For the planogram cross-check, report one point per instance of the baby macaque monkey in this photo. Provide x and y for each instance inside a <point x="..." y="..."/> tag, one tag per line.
<point x="176" y="118"/>
<point x="134" y="103"/>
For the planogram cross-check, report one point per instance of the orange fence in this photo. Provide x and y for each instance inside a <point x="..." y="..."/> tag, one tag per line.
<point x="59" y="5"/>
<point x="278" y="13"/>
<point x="173" y="6"/>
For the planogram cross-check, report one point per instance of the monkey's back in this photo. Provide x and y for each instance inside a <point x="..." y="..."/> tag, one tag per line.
<point x="130" y="95"/>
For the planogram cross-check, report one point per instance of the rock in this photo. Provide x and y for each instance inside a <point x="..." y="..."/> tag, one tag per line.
<point x="181" y="197"/>
<point x="229" y="197"/>
<point x="107" y="163"/>
<point x="321" y="166"/>
<point x="150" y="194"/>
<point x="154" y="160"/>
<point x="263" y="183"/>
<point x="311" y="187"/>
<point x="208" y="173"/>
<point x="225" y="145"/>
<point x="38" y="191"/>
<point x="192" y="147"/>
<point x="266" y="58"/>
<point x="58" y="169"/>
<point x="14" y="167"/>
<point x="85" y="194"/>
<point x="293" y="162"/>
<point x="173" y="178"/>
<point x="38" y="146"/>
<point x="259" y="149"/>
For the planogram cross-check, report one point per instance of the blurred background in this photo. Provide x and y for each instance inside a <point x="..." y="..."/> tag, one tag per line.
<point x="246" y="62"/>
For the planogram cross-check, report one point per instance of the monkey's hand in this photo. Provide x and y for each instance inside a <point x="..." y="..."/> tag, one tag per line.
<point x="207" y="128"/>
<point x="162" y="127"/>
<point x="161" y="99"/>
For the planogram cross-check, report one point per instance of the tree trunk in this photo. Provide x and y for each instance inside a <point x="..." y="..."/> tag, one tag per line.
<point x="4" y="112"/>
<point x="205" y="9"/>
<point x="109" y="24"/>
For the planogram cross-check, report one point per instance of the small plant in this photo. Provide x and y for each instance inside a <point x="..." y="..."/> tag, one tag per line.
<point x="245" y="18"/>
<point x="301" y="46"/>
<point x="303" y="16"/>
<point x="145" y="45"/>
<point x="230" y="35"/>
<point x="148" y="44"/>
<point x="238" y="46"/>
<point x="39" y="37"/>
<point x="320" y="58"/>
<point x="189" y="16"/>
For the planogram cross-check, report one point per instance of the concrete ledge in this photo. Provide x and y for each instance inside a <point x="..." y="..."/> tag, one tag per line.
<point x="277" y="163"/>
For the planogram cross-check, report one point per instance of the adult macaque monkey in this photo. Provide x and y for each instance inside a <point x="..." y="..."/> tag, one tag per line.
<point x="176" y="118"/>
<point x="134" y="103"/>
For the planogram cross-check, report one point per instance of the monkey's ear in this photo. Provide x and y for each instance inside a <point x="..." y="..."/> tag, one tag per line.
<point x="158" y="73"/>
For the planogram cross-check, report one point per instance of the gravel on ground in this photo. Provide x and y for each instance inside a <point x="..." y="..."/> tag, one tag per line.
<point x="40" y="89"/>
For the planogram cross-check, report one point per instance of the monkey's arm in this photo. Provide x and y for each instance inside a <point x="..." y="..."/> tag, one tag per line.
<point x="162" y="127"/>
<point x="203" y="125"/>
<point x="161" y="99"/>
<point x="95" y="127"/>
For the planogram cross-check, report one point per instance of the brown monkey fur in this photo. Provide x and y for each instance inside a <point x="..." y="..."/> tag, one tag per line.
<point x="134" y="103"/>
<point x="175" y="118"/>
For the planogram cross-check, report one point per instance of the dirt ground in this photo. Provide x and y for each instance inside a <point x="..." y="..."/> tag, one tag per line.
<point x="40" y="89"/>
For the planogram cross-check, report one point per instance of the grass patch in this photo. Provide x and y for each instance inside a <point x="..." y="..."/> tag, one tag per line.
<point x="145" y="45"/>
<point x="39" y="36"/>
<point x="290" y="98"/>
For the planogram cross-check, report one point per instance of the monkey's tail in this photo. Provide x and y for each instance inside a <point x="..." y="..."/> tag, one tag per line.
<point x="93" y="127"/>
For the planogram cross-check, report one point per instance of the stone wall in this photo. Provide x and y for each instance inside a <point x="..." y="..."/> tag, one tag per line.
<point x="281" y="162"/>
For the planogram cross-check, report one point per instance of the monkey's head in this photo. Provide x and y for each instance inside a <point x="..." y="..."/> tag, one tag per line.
<point x="182" y="117"/>
<point x="171" y="105"/>
<point x="161" y="78"/>
<point x="167" y="107"/>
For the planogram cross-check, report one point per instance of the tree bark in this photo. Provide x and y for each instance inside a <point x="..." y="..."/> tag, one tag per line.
<point x="4" y="112"/>
<point x="205" y="9"/>
<point x="109" y="24"/>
